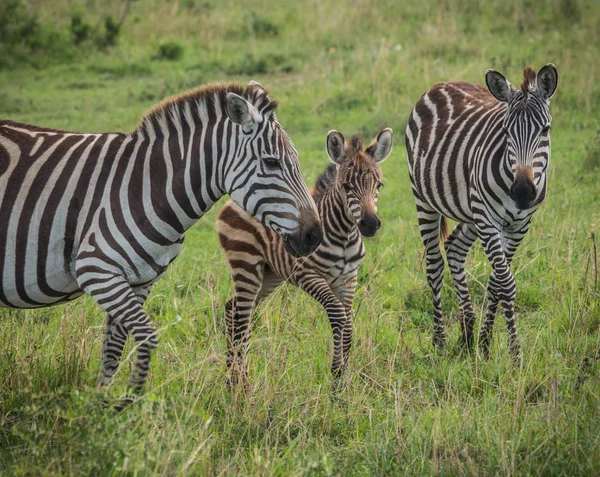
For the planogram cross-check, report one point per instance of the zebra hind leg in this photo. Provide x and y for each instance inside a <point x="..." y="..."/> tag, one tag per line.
<point x="238" y="317"/>
<point x="430" y="228"/>
<point x="457" y="247"/>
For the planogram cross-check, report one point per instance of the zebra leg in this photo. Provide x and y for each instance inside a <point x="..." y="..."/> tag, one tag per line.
<point x="125" y="316"/>
<point x="457" y="247"/>
<point x="238" y="313"/>
<point x="318" y="288"/>
<point x="485" y="334"/>
<point x="501" y="289"/>
<point x="429" y="226"/>
<point x="345" y="294"/>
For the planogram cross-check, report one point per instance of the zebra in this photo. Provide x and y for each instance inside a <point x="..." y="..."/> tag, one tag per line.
<point x="480" y="157"/>
<point x="105" y="214"/>
<point x="346" y="196"/>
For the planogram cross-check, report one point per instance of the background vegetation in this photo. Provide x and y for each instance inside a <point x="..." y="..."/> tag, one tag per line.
<point x="357" y="66"/>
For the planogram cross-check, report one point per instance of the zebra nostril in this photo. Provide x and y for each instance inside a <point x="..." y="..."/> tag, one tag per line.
<point x="313" y="236"/>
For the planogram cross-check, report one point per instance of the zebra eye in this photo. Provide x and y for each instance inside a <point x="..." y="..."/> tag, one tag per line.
<point x="546" y="130"/>
<point x="380" y="185"/>
<point x="272" y="162"/>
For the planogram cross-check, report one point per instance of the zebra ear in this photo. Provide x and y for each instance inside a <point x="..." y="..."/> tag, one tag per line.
<point x="241" y="111"/>
<point x="335" y="146"/>
<point x="381" y="147"/>
<point x="499" y="86"/>
<point x="547" y="81"/>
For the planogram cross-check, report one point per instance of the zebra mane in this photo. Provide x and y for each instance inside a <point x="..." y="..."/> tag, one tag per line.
<point x="324" y="181"/>
<point x="209" y="94"/>
<point x="529" y="84"/>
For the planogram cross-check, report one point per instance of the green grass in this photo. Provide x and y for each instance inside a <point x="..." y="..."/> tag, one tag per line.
<point x="356" y="67"/>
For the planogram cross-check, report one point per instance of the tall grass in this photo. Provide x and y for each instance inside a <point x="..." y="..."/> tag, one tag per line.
<point x="356" y="67"/>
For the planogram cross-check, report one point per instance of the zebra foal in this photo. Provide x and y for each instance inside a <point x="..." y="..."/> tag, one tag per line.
<point x="105" y="214"/>
<point x="480" y="157"/>
<point x="346" y="196"/>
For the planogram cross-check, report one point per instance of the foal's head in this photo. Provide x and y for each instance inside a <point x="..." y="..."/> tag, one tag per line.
<point x="359" y="175"/>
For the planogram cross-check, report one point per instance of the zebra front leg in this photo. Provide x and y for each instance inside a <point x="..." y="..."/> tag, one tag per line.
<point x="485" y="334"/>
<point x="457" y="247"/>
<point x="318" y="288"/>
<point x="125" y="316"/>
<point x="501" y="289"/>
<point x="345" y="294"/>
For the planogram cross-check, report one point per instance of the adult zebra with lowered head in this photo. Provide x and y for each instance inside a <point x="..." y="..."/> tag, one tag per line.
<point x="480" y="157"/>
<point x="105" y="214"/>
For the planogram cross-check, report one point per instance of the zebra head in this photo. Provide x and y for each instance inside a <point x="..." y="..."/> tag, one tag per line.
<point x="527" y="128"/>
<point x="264" y="178"/>
<point x="359" y="175"/>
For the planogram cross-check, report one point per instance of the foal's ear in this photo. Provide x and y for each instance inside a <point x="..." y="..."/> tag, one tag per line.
<point x="547" y="81"/>
<point x="381" y="147"/>
<point x="335" y="146"/>
<point x="499" y="86"/>
<point x="241" y="111"/>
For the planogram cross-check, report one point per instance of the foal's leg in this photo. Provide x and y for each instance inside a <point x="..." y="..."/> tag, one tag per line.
<point x="238" y="313"/>
<point x="345" y="293"/>
<point x="318" y="288"/>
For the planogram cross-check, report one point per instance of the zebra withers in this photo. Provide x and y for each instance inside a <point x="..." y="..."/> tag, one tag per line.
<point x="480" y="157"/>
<point x="105" y="214"/>
<point x="346" y="196"/>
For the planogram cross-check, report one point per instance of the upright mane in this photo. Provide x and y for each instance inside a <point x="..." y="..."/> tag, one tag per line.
<point x="211" y="94"/>
<point x="529" y="84"/>
<point x="324" y="181"/>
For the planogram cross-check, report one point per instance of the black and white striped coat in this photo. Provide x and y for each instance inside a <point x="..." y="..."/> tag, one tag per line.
<point x="480" y="159"/>
<point x="346" y="196"/>
<point x="105" y="214"/>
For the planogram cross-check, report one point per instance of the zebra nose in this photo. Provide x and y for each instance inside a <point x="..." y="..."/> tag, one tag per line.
<point x="313" y="236"/>
<point x="523" y="192"/>
<point x="369" y="225"/>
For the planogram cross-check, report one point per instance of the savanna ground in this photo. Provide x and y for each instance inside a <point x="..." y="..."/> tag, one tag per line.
<point x="356" y="67"/>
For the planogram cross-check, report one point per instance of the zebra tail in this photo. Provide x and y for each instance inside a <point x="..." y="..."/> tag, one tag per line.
<point x="444" y="229"/>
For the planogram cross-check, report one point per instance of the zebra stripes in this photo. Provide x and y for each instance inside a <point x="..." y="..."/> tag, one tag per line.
<point x="480" y="159"/>
<point x="105" y="214"/>
<point x="346" y="196"/>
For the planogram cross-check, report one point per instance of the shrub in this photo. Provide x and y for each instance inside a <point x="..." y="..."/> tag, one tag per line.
<point x="170" y="51"/>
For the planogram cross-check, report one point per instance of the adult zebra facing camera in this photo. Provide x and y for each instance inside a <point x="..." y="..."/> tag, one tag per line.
<point x="480" y="157"/>
<point x="105" y="214"/>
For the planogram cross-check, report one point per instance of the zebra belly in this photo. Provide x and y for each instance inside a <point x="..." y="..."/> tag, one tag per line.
<point x="57" y="286"/>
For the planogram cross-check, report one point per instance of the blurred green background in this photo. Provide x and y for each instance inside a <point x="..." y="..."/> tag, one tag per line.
<point x="356" y="67"/>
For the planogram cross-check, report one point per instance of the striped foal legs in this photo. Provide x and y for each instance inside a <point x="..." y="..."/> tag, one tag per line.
<point x="238" y="313"/>
<point x="457" y="247"/>
<point x="346" y="295"/>
<point x="429" y="226"/>
<point x="318" y="288"/>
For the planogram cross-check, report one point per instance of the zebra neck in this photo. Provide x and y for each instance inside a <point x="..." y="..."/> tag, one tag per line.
<point x="335" y="213"/>
<point x="180" y="175"/>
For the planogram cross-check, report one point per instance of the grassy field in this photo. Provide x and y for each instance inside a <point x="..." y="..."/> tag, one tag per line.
<point x="407" y="410"/>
